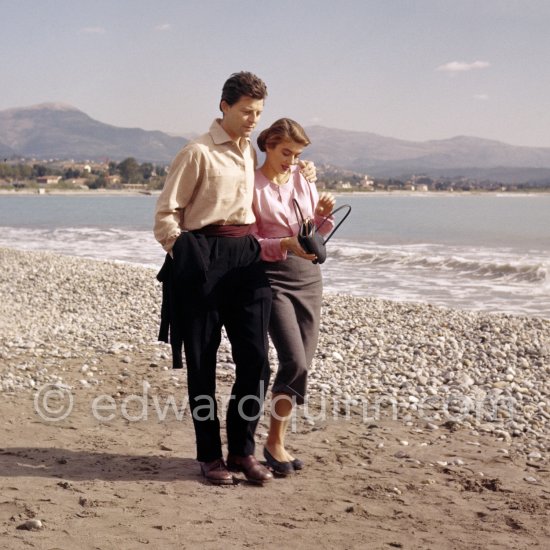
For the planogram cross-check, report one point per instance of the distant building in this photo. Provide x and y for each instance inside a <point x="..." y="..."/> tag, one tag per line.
<point x="48" y="180"/>
<point x="421" y="183"/>
<point x="113" y="180"/>
<point x="343" y="185"/>
<point x="367" y="183"/>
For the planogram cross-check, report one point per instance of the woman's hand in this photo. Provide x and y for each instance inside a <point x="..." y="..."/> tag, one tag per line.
<point x="308" y="170"/>
<point x="291" y="244"/>
<point x="325" y="205"/>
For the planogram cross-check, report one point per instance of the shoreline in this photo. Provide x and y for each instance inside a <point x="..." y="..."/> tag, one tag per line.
<point x="425" y="300"/>
<point x="383" y="193"/>
<point x="78" y="192"/>
<point x="418" y="414"/>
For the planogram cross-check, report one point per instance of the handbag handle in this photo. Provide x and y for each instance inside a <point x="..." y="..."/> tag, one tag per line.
<point x="297" y="209"/>
<point x="339" y="223"/>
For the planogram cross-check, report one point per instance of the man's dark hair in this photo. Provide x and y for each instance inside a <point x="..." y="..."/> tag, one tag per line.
<point x="243" y="84"/>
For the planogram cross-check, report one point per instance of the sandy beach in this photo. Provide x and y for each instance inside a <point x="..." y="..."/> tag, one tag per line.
<point x="426" y="427"/>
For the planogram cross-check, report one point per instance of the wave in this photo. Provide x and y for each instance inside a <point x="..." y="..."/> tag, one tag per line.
<point x="505" y="265"/>
<point x="483" y="278"/>
<point x="477" y="263"/>
<point x="140" y="247"/>
<point x="115" y="244"/>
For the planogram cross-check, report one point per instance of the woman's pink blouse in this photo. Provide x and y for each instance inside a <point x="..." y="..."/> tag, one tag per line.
<point x="276" y="217"/>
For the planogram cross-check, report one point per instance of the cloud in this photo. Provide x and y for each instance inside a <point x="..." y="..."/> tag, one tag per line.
<point x="481" y="97"/>
<point x="461" y="66"/>
<point x="93" y="30"/>
<point x="163" y="27"/>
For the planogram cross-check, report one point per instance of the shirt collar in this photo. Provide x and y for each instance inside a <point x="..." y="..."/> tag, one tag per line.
<point x="219" y="135"/>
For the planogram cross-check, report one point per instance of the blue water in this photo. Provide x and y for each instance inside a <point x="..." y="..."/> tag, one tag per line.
<point x="483" y="252"/>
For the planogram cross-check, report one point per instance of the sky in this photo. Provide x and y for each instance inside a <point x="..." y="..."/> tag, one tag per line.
<point x="410" y="69"/>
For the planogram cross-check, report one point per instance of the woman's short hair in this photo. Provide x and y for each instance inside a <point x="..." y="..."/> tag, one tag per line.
<point x="243" y="84"/>
<point x="281" y="130"/>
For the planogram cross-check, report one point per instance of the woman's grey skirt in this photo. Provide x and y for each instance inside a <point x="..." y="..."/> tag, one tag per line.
<point x="294" y="324"/>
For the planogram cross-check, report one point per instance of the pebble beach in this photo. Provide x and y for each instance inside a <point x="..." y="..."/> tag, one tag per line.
<point x="445" y="399"/>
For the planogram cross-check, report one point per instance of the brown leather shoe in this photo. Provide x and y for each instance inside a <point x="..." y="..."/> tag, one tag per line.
<point x="216" y="472"/>
<point x="253" y="470"/>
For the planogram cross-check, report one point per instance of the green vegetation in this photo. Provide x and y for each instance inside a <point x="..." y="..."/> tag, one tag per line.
<point x="73" y="175"/>
<point x="130" y="174"/>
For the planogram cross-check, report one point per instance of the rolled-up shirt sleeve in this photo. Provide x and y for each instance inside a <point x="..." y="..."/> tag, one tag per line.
<point x="183" y="177"/>
<point x="271" y="250"/>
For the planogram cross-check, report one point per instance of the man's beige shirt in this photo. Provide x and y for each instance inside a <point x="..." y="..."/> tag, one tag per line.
<point x="211" y="181"/>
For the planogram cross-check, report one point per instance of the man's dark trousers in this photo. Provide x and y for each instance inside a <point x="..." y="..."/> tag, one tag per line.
<point x="234" y="293"/>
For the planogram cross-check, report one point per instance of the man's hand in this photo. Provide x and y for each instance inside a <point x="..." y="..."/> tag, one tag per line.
<point x="325" y="205"/>
<point x="308" y="170"/>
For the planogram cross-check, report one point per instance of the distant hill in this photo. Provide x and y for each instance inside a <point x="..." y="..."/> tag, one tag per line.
<point x="5" y="151"/>
<point x="389" y="157"/>
<point x="53" y="130"/>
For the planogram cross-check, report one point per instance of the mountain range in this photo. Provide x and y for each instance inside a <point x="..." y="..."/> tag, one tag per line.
<point x="53" y="130"/>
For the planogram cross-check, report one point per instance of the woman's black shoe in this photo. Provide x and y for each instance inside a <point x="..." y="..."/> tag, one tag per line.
<point x="297" y="464"/>
<point x="279" y="468"/>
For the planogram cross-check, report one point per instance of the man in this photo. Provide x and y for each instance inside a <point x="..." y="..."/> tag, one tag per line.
<point x="212" y="278"/>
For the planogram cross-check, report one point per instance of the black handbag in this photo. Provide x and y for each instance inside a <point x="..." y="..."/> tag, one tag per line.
<point x="308" y="233"/>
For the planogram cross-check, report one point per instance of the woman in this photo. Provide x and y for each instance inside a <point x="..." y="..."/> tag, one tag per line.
<point x="295" y="279"/>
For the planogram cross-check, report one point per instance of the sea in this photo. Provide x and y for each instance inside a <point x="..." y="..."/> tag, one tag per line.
<point x="485" y="252"/>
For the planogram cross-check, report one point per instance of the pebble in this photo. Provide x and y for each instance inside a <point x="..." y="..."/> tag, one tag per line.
<point x="31" y="525"/>
<point x="425" y="365"/>
<point x="401" y="454"/>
